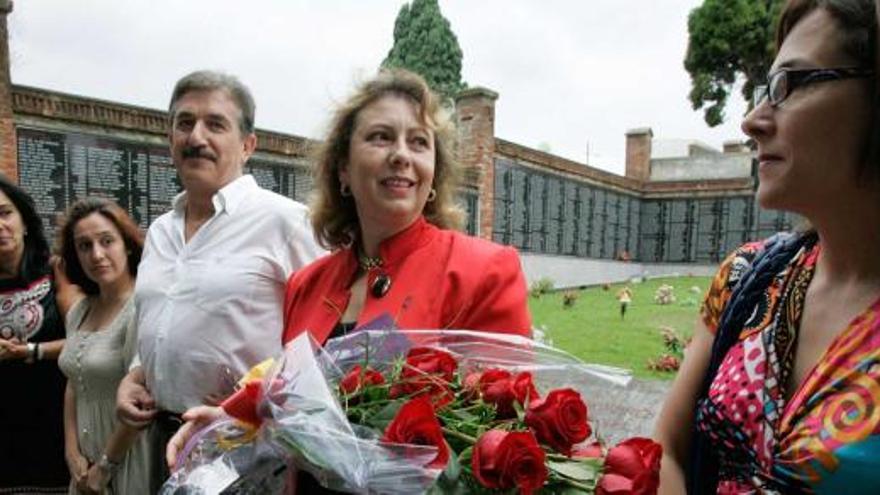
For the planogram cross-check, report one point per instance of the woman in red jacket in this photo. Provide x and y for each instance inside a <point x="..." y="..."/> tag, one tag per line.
<point x="385" y="205"/>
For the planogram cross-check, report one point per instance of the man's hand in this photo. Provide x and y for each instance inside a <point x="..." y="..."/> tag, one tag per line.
<point x="196" y="418"/>
<point x="134" y="404"/>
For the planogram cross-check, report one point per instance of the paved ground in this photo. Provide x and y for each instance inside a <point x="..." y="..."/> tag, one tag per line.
<point x="618" y="413"/>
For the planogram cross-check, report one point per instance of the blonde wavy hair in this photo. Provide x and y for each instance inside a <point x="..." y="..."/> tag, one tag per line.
<point x="334" y="217"/>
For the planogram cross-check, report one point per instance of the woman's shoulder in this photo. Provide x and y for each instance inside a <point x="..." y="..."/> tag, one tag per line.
<point x="731" y="270"/>
<point x="77" y="309"/>
<point x="476" y="248"/>
<point x="741" y="259"/>
<point x="474" y="261"/>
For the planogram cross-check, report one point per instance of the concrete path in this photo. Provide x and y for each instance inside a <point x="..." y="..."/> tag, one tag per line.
<point x="618" y="413"/>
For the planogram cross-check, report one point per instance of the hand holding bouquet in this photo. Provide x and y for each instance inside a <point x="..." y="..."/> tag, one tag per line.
<point x="431" y="411"/>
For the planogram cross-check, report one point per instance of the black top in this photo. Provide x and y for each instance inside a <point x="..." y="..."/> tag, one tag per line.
<point x="32" y="402"/>
<point x="342" y="329"/>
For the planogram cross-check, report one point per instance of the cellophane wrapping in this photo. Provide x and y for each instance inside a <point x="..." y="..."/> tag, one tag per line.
<point x="304" y="426"/>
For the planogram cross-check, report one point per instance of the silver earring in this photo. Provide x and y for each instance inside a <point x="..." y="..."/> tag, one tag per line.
<point x="432" y="195"/>
<point x="344" y="190"/>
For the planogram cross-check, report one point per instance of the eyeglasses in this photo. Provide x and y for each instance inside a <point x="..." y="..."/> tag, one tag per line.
<point x="781" y="83"/>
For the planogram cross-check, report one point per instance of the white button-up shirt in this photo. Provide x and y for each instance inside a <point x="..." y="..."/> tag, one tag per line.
<point x="211" y="308"/>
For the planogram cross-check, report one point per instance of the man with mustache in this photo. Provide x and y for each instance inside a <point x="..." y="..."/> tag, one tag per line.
<point x="211" y="282"/>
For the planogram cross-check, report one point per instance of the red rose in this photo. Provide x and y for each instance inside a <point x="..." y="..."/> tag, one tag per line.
<point x="524" y="389"/>
<point x="426" y="370"/>
<point x="496" y="388"/>
<point x="633" y="466"/>
<point x="559" y="420"/>
<point x="506" y="459"/>
<point x="357" y="378"/>
<point x="471" y="385"/>
<point x="500" y="388"/>
<point x="415" y="423"/>
<point x="426" y="360"/>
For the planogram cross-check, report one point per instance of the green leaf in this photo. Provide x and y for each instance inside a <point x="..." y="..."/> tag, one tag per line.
<point x="449" y="478"/>
<point x="385" y="415"/>
<point x="464" y="416"/>
<point x="580" y="470"/>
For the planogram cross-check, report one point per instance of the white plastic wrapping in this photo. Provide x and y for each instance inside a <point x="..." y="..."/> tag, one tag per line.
<point x="305" y="425"/>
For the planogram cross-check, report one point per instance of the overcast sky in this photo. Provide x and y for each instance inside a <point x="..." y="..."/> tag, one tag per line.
<point x="574" y="74"/>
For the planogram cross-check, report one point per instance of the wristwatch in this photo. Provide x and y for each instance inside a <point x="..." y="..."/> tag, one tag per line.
<point x="32" y="349"/>
<point x="106" y="465"/>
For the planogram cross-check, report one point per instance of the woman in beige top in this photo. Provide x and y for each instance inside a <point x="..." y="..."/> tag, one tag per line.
<point x="101" y="248"/>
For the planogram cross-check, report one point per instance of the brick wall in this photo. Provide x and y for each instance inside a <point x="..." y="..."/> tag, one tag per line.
<point x="8" y="159"/>
<point x="638" y="153"/>
<point x="475" y="117"/>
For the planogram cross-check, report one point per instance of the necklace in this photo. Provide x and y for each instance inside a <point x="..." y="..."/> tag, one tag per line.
<point x="368" y="263"/>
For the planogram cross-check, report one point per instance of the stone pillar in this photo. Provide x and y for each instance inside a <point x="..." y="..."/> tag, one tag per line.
<point x="8" y="160"/>
<point x="475" y="117"/>
<point x="638" y="153"/>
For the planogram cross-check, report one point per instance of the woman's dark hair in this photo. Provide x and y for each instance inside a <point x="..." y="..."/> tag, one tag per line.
<point x="35" y="258"/>
<point x="857" y="20"/>
<point x="128" y="230"/>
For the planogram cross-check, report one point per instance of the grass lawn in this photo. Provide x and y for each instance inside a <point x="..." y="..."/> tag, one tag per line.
<point x="593" y="330"/>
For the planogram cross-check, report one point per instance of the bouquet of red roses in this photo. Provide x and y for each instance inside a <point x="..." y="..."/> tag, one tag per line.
<point x="422" y="411"/>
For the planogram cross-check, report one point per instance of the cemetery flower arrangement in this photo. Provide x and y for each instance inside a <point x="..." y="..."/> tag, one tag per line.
<point x="429" y="411"/>
<point x="671" y="359"/>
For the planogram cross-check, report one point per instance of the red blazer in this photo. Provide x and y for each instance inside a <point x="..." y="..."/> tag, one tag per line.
<point x="439" y="279"/>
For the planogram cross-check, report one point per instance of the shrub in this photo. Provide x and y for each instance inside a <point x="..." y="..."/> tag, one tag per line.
<point x="671" y="359"/>
<point x="666" y="362"/>
<point x="541" y="286"/>
<point x="664" y="295"/>
<point x="672" y="341"/>
<point x="569" y="297"/>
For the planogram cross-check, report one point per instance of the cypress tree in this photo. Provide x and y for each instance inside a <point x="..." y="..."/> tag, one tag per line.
<point x="425" y="44"/>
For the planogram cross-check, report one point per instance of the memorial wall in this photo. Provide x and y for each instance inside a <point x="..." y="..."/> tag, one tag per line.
<point x="59" y="167"/>
<point x="534" y="210"/>
<point x="70" y="147"/>
<point x="548" y="213"/>
<point x="545" y="213"/>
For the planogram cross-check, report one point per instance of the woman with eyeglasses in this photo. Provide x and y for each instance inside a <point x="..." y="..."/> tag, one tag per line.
<point x="780" y="388"/>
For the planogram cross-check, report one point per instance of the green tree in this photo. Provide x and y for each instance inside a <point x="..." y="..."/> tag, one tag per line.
<point x="425" y="44"/>
<point x="728" y="38"/>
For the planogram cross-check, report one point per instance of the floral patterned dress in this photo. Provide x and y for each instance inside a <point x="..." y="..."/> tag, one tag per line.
<point x="826" y="438"/>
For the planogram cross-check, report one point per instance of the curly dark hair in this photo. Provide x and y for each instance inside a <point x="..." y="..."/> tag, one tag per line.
<point x="128" y="230"/>
<point x="35" y="258"/>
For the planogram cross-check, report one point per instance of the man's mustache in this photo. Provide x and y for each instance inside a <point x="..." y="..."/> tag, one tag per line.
<point x="196" y="152"/>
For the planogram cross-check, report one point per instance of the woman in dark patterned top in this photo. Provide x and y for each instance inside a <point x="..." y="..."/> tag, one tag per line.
<point x="31" y="337"/>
